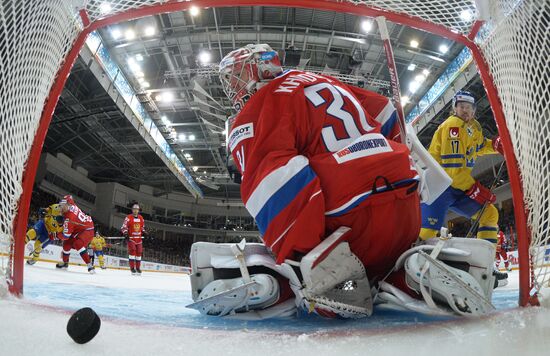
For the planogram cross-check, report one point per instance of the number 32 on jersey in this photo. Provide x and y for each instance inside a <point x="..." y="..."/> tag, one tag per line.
<point x="336" y="110"/>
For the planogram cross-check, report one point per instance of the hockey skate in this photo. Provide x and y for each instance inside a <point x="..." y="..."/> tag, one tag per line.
<point x="91" y="269"/>
<point x="62" y="265"/>
<point x="509" y="268"/>
<point x="31" y="262"/>
<point x="138" y="271"/>
<point x="134" y="272"/>
<point x="103" y="267"/>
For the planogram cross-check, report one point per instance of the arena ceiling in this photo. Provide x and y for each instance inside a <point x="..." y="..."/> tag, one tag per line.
<point x="171" y="59"/>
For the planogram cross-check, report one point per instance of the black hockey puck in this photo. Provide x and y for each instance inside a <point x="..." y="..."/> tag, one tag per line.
<point x="83" y="325"/>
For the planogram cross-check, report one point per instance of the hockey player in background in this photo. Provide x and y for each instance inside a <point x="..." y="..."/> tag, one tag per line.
<point x="133" y="229"/>
<point x="502" y="248"/>
<point x="78" y="231"/>
<point x="44" y="230"/>
<point x="456" y="145"/>
<point x="97" y="245"/>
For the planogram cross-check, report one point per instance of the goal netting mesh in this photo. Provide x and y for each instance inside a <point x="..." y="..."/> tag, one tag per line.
<point x="36" y="36"/>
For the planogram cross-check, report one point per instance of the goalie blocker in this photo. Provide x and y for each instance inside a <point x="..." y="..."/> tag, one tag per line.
<point x="243" y="281"/>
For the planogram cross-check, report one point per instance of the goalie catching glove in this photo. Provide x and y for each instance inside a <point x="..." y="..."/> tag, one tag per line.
<point x="481" y="194"/>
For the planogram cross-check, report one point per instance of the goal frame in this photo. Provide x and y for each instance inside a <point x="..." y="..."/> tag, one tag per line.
<point x="520" y="213"/>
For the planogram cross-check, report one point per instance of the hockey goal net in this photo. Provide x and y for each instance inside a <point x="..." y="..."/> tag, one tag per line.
<point x="40" y="41"/>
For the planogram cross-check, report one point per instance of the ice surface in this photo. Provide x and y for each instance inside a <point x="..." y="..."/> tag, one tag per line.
<point x="146" y="315"/>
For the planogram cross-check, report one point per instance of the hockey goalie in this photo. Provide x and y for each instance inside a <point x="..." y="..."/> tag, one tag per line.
<point x="336" y="198"/>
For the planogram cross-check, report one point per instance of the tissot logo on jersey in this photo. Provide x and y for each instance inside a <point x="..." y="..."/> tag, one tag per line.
<point x="240" y="133"/>
<point x="453" y="132"/>
<point x="366" y="145"/>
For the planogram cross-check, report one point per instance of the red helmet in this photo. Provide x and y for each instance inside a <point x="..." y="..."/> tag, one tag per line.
<point x="243" y="69"/>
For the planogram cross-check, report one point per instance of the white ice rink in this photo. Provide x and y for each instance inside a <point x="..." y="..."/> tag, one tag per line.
<point x="147" y="316"/>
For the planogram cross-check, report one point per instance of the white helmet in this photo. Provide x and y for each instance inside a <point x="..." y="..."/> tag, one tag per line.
<point x="243" y="69"/>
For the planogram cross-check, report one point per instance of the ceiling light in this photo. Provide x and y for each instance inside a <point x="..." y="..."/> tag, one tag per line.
<point x="140" y="74"/>
<point x="425" y="72"/>
<point x="404" y="100"/>
<point x="190" y="159"/>
<point x="186" y="155"/>
<point x="419" y="78"/>
<point x="224" y="132"/>
<point x="139" y="57"/>
<point x="443" y="48"/>
<point x="191" y="137"/>
<point x="204" y="57"/>
<point x="195" y="168"/>
<point x="204" y="172"/>
<point x="414" y="43"/>
<point x="129" y="34"/>
<point x="150" y="30"/>
<point x="411" y="67"/>
<point x="158" y="97"/>
<point x="466" y="15"/>
<point x="134" y="67"/>
<point x="167" y="97"/>
<point x="194" y="11"/>
<point x="366" y="25"/>
<point x="413" y="86"/>
<point x="182" y="137"/>
<point x="145" y="84"/>
<point x="105" y="7"/>
<point x="116" y="34"/>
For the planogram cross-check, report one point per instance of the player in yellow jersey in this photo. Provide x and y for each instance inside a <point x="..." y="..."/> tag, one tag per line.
<point x="456" y="145"/>
<point x="44" y="230"/>
<point x="98" y="244"/>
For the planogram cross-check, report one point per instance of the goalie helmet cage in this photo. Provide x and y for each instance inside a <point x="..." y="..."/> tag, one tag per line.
<point x="40" y="41"/>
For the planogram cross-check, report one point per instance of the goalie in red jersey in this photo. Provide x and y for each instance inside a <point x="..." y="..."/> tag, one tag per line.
<point x="78" y="231"/>
<point x="335" y="198"/>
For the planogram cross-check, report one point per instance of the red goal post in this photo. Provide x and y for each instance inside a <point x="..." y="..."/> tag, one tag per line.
<point x="41" y="41"/>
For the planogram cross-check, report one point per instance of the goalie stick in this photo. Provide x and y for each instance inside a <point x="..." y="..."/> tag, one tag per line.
<point x="394" y="79"/>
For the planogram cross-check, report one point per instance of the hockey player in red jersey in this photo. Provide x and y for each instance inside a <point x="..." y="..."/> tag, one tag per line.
<point x="501" y="252"/>
<point x="78" y="231"/>
<point x="133" y="228"/>
<point x="332" y="194"/>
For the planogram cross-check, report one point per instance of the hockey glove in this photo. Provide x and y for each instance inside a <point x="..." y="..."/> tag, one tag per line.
<point x="481" y="194"/>
<point x="497" y="145"/>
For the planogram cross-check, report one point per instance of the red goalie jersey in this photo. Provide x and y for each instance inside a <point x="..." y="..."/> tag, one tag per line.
<point x="315" y="155"/>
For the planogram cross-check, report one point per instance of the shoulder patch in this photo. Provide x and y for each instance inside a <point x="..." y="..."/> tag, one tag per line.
<point x="454" y="132"/>
<point x="240" y="133"/>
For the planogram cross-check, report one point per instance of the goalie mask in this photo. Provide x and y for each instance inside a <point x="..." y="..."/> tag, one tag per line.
<point x="243" y="69"/>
